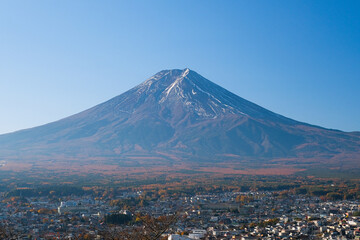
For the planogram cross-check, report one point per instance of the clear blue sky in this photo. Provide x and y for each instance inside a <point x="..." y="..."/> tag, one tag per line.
<point x="300" y="59"/>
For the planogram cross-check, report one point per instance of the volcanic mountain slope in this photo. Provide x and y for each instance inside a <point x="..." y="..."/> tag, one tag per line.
<point x="178" y="115"/>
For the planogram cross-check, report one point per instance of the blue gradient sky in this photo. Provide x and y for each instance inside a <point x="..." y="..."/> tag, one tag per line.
<point x="300" y="59"/>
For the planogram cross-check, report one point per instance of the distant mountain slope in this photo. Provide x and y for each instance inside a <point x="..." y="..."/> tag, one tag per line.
<point x="178" y="115"/>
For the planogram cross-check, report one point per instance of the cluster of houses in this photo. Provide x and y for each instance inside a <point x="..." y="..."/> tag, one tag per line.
<point x="266" y="216"/>
<point x="247" y="215"/>
<point x="40" y="218"/>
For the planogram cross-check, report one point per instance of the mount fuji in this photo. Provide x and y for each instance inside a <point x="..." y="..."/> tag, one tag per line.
<point x="178" y="117"/>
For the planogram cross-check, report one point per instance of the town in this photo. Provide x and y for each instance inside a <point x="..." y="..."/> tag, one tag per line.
<point x="226" y="215"/>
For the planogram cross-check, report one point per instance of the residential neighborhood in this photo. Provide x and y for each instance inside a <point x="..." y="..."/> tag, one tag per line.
<point x="228" y="215"/>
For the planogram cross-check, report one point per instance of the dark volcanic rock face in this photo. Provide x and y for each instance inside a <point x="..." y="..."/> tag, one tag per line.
<point x="181" y="116"/>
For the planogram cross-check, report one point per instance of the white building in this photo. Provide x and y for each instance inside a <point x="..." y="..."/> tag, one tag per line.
<point x="177" y="237"/>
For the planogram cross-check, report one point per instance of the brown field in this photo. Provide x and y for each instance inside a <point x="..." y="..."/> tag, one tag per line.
<point x="143" y="168"/>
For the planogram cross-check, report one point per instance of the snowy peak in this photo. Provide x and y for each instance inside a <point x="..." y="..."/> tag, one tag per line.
<point x="187" y="88"/>
<point x="187" y="92"/>
<point x="166" y="76"/>
<point x="195" y="94"/>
